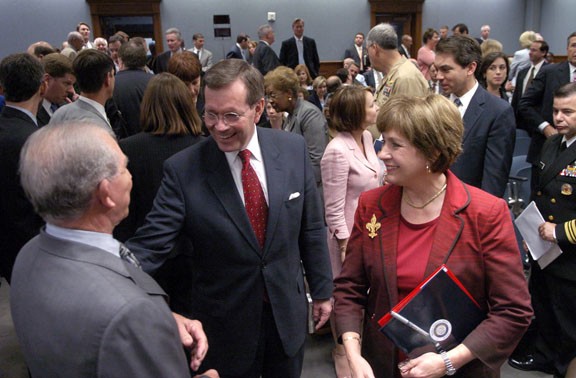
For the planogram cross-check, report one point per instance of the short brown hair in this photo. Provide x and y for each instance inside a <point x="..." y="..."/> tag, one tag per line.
<point x="186" y="66"/>
<point x="432" y="124"/>
<point x="57" y="65"/>
<point x="167" y="107"/>
<point x="348" y="108"/>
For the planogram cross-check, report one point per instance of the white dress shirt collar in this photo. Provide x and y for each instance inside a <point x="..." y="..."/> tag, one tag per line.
<point x="465" y="98"/>
<point x="98" y="240"/>
<point x="256" y="160"/>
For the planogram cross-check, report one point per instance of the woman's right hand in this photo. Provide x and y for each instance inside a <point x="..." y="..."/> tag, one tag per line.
<point x="342" y="244"/>
<point x="359" y="367"/>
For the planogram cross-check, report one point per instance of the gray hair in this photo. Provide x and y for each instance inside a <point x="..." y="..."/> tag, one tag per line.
<point x="263" y="30"/>
<point x="74" y="35"/>
<point x="174" y="31"/>
<point x="61" y="165"/>
<point x="384" y="36"/>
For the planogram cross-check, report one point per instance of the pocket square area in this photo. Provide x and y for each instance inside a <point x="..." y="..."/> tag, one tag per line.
<point x="294" y="195"/>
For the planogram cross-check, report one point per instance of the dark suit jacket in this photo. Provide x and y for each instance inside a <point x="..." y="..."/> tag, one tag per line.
<point x="535" y="105"/>
<point x="517" y="95"/>
<point x="128" y="93"/>
<point x="226" y="272"/>
<point x="474" y="237"/>
<point x="553" y="199"/>
<point x="353" y="53"/>
<point x="234" y="53"/>
<point x="146" y="156"/>
<point x="369" y="77"/>
<point x="160" y="63"/>
<point x="80" y="311"/>
<point x="488" y="142"/>
<point x="289" y="54"/>
<point x="42" y="117"/>
<point x="264" y="58"/>
<point x="18" y="222"/>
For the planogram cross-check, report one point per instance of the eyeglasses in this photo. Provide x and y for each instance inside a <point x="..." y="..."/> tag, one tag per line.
<point x="229" y="119"/>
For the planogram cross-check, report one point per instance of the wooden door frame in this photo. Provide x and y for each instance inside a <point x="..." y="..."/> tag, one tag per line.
<point x="151" y="8"/>
<point x="400" y="7"/>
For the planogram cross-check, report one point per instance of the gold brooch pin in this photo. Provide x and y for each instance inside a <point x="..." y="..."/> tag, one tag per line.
<point x="373" y="226"/>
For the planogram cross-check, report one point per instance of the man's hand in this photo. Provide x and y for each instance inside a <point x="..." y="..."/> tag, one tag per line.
<point x="192" y="337"/>
<point x="549" y="131"/>
<point x="321" y="312"/>
<point x="546" y="231"/>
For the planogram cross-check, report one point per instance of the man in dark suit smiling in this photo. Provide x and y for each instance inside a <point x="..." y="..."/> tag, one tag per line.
<point x="246" y="198"/>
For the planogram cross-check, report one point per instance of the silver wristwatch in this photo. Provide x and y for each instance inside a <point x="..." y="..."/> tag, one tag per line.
<point x="450" y="370"/>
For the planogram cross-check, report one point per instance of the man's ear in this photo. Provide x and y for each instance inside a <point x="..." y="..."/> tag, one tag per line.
<point x="259" y="109"/>
<point x="103" y="194"/>
<point x="472" y="68"/>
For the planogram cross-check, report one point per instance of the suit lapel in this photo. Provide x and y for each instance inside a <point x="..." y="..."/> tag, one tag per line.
<point x="473" y="112"/>
<point x="275" y="179"/>
<point x="222" y="184"/>
<point x="450" y="224"/>
<point x="358" y="153"/>
<point x="389" y="241"/>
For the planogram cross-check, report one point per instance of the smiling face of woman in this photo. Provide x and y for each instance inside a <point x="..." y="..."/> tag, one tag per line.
<point x="405" y="164"/>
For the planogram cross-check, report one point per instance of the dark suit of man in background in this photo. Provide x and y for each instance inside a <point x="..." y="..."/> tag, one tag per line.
<point x="537" y="54"/>
<point x="489" y="125"/>
<point x="239" y="50"/>
<point x="79" y="310"/>
<point x="243" y="277"/>
<point x="264" y="58"/>
<point x="22" y="78"/>
<point x="552" y="345"/>
<point x="95" y="75"/>
<point x="59" y="77"/>
<point x="535" y="107"/>
<point x="174" y="42"/>
<point x="358" y="52"/>
<point x="130" y="83"/>
<point x="300" y="49"/>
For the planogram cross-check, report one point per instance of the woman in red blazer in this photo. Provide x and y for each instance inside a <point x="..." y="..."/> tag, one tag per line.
<point x="349" y="167"/>
<point x="403" y="231"/>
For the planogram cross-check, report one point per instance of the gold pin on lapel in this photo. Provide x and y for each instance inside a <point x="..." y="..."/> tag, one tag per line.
<point x="566" y="189"/>
<point x="373" y="226"/>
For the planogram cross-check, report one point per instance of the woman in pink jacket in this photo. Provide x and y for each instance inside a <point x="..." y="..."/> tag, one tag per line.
<point x="349" y="167"/>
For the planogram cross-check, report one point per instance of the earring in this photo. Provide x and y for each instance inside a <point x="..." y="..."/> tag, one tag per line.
<point x="289" y="98"/>
<point x="428" y="168"/>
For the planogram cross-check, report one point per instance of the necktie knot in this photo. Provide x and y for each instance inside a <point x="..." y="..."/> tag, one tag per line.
<point x="53" y="107"/>
<point x="245" y="156"/>
<point x="458" y="102"/>
<point x="563" y="146"/>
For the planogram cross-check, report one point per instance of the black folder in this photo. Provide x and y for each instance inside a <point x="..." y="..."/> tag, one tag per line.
<point x="435" y="316"/>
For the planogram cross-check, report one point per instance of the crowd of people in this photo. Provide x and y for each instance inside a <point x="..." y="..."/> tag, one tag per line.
<point x="245" y="185"/>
